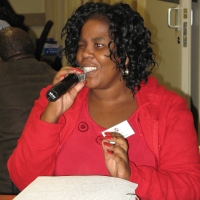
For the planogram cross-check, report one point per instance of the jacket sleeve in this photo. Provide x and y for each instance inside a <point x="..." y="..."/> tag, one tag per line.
<point x="38" y="145"/>
<point x="178" y="173"/>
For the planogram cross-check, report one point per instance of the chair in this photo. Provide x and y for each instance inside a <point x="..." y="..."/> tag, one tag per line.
<point x="41" y="41"/>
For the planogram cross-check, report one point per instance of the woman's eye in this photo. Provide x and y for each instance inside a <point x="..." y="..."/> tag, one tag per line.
<point x="81" y="45"/>
<point x="98" y="45"/>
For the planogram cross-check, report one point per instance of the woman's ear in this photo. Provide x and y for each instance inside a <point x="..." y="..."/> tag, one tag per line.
<point x="125" y="72"/>
<point x="127" y="60"/>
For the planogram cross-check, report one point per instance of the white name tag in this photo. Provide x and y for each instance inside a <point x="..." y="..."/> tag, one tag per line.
<point x="123" y="128"/>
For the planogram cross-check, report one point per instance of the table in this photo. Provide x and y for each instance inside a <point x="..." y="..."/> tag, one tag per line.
<point x="7" y="197"/>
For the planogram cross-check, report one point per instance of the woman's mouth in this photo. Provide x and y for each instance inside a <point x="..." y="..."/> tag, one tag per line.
<point x="89" y="69"/>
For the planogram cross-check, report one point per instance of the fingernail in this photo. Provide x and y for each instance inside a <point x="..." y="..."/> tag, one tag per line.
<point x="110" y="152"/>
<point x="77" y="69"/>
<point x="63" y="75"/>
<point x="108" y="133"/>
<point x="107" y="144"/>
<point x="108" y="137"/>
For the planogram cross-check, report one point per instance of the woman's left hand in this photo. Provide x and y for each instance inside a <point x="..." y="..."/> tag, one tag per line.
<point x="116" y="155"/>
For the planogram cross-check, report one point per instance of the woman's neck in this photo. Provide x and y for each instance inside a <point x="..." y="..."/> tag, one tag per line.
<point x="111" y="95"/>
<point x="108" y="108"/>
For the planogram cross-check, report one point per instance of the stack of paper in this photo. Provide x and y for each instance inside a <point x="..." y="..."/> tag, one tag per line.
<point x="78" y="188"/>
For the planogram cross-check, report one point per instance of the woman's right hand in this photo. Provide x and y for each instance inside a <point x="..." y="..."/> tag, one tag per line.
<point x="55" y="109"/>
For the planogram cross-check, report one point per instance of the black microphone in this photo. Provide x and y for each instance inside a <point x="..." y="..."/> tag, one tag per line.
<point x="63" y="86"/>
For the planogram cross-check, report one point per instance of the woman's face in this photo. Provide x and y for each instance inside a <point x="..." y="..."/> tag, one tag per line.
<point x="93" y="52"/>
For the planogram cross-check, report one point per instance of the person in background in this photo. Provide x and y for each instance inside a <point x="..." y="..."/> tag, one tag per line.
<point x="21" y="79"/>
<point x="8" y="14"/>
<point x="64" y="138"/>
<point x="3" y="24"/>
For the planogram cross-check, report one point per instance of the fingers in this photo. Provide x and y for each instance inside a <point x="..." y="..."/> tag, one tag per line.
<point x="121" y="160"/>
<point x="73" y="92"/>
<point x="116" y="155"/>
<point x="116" y="138"/>
<point x="55" y="109"/>
<point x="116" y="151"/>
<point x="116" y="143"/>
<point x="64" y="71"/>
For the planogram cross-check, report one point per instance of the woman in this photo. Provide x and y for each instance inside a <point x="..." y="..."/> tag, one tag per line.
<point x="65" y="137"/>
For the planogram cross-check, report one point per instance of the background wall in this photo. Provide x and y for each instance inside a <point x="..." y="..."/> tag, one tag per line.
<point x="33" y="10"/>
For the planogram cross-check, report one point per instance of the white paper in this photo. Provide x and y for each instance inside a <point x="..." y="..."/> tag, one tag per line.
<point x="123" y="128"/>
<point x="78" y="188"/>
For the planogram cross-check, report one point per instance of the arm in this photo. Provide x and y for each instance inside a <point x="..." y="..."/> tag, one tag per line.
<point x="178" y="172"/>
<point x="36" y="149"/>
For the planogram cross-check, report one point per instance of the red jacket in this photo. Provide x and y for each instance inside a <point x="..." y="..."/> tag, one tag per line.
<point x="164" y="121"/>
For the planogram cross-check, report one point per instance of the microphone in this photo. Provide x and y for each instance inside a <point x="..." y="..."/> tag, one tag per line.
<point x="63" y="86"/>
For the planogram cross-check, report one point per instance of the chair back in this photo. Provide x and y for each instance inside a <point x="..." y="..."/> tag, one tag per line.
<point x="40" y="43"/>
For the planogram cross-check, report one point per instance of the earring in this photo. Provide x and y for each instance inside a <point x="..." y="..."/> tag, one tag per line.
<point x="125" y="72"/>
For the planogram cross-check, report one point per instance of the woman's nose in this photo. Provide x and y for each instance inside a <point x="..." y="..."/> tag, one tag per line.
<point x="87" y="52"/>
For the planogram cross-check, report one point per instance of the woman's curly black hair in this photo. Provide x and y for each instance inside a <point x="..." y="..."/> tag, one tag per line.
<point x="126" y="29"/>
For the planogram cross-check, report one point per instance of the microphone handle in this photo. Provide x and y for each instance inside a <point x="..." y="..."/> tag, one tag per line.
<point x="62" y="87"/>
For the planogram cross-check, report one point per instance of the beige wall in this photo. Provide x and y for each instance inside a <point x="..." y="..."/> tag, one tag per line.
<point x="29" y="7"/>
